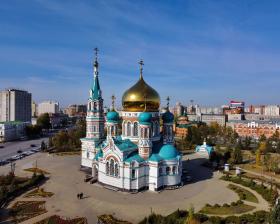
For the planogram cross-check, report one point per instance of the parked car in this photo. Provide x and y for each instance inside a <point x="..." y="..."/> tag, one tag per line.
<point x="3" y="162"/>
<point x="19" y="151"/>
<point x="32" y="145"/>
<point x="1" y="146"/>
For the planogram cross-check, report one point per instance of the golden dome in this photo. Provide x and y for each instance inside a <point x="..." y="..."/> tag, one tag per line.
<point x="140" y="97"/>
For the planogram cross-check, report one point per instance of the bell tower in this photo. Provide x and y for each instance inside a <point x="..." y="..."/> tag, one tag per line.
<point x="95" y="119"/>
<point x="95" y="111"/>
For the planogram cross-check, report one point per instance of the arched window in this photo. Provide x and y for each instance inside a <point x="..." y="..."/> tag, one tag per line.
<point x="135" y="129"/>
<point x="174" y="170"/>
<point x="116" y="170"/>
<point x="89" y="106"/>
<point x="133" y="174"/>
<point x="156" y="128"/>
<point x="107" y="168"/>
<point x="168" y="170"/>
<point x="128" y="129"/>
<point x="94" y="106"/>
<point x="112" y="164"/>
<point x="145" y="132"/>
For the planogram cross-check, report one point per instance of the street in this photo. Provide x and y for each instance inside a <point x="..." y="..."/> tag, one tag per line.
<point x="10" y="148"/>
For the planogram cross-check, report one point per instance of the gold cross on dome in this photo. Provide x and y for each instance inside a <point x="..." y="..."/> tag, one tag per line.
<point x="96" y="52"/>
<point x="141" y="63"/>
<point x="168" y="99"/>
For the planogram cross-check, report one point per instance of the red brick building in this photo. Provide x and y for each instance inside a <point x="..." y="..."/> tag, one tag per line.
<point x="255" y="129"/>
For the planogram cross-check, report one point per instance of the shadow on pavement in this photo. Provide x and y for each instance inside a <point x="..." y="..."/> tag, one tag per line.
<point x="196" y="170"/>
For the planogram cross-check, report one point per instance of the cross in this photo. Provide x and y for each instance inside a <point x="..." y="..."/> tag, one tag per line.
<point x="141" y="63"/>
<point x="168" y="99"/>
<point x="113" y="101"/>
<point x="96" y="52"/>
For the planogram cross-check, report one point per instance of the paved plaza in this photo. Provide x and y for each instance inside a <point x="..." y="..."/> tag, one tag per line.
<point x="66" y="181"/>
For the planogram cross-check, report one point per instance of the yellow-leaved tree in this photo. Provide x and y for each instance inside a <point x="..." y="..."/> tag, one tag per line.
<point x="191" y="218"/>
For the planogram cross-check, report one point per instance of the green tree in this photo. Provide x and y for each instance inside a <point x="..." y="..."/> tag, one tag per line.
<point x="191" y="219"/>
<point x="275" y="215"/>
<point x="44" y="121"/>
<point x="236" y="157"/>
<point x="33" y="131"/>
<point x="258" y="157"/>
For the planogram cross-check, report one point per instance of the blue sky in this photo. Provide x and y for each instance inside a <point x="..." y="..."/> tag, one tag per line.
<point x="208" y="51"/>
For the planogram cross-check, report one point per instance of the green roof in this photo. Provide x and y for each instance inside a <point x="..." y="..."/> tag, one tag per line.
<point x="95" y="89"/>
<point x="99" y="154"/>
<point x="155" y="158"/>
<point x="134" y="157"/>
<point x="168" y="151"/>
<point x="11" y="122"/>
<point x="125" y="145"/>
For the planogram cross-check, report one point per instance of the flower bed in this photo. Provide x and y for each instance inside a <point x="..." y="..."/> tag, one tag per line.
<point x="109" y="219"/>
<point x="36" y="170"/>
<point x="24" y="210"/>
<point x="39" y="192"/>
<point x="55" y="219"/>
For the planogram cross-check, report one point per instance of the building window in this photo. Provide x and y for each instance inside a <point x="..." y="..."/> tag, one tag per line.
<point x="135" y="129"/>
<point x="156" y="128"/>
<point x="133" y="174"/>
<point x="174" y="170"/>
<point x="168" y="170"/>
<point x="116" y="170"/>
<point x="112" y="163"/>
<point x="128" y="129"/>
<point x="107" y="168"/>
<point x="94" y="106"/>
<point x="87" y="154"/>
<point x="145" y="132"/>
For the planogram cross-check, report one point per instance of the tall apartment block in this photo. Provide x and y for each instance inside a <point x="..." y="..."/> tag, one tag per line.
<point x="15" y="105"/>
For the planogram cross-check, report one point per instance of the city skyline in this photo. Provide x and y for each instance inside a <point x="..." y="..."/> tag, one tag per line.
<point x="209" y="52"/>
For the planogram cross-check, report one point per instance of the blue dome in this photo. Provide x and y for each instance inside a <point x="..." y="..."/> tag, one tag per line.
<point x="168" y="117"/>
<point x="112" y="116"/>
<point x="145" y="118"/>
<point x="168" y="152"/>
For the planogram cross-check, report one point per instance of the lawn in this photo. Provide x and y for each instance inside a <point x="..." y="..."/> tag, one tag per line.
<point x="243" y="193"/>
<point x="232" y="209"/>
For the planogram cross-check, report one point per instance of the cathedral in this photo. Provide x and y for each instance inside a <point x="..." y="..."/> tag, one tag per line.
<point x="132" y="149"/>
